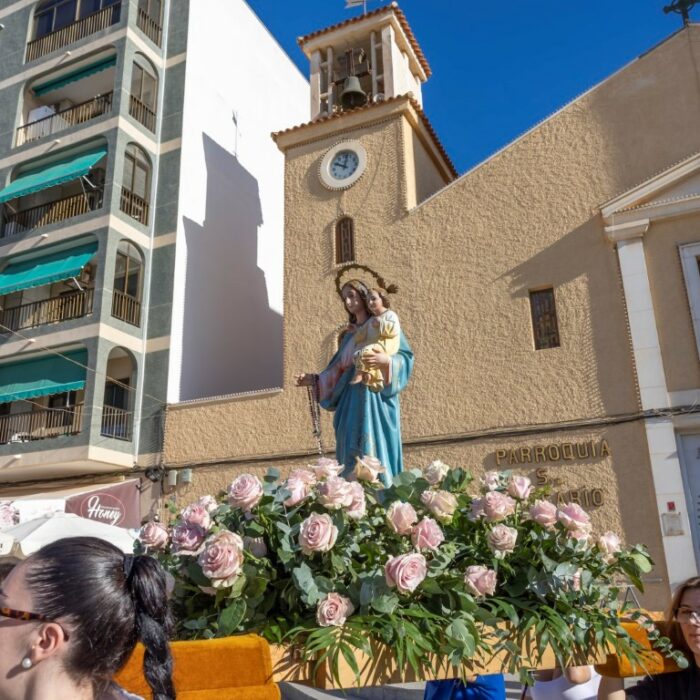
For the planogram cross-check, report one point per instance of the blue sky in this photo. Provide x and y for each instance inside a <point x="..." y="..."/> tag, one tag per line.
<point x="498" y="67"/>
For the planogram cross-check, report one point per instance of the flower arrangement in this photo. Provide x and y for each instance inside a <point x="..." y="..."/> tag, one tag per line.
<point x="428" y="566"/>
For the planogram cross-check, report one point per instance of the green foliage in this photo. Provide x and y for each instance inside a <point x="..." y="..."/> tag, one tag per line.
<point x="551" y="591"/>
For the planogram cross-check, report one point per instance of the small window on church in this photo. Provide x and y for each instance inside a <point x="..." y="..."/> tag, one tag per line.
<point x="544" y="319"/>
<point x="344" y="241"/>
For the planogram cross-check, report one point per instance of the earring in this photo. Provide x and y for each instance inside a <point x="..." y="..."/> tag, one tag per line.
<point x="26" y="662"/>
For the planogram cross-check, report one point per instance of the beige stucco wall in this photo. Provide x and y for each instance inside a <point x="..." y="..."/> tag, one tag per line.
<point x="671" y="307"/>
<point x="465" y="262"/>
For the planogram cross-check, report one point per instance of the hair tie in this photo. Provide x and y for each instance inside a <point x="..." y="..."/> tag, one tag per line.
<point x="128" y="565"/>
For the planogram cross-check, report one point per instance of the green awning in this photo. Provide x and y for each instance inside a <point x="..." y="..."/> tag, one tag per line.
<point x="52" y="175"/>
<point x="79" y="74"/>
<point x="54" y="267"/>
<point x="46" y="375"/>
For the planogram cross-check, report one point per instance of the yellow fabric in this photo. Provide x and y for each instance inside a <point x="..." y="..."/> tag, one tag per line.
<point x="621" y="667"/>
<point x="211" y="669"/>
<point x="379" y="334"/>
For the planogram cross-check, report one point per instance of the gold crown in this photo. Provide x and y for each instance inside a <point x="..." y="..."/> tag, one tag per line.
<point x="342" y="278"/>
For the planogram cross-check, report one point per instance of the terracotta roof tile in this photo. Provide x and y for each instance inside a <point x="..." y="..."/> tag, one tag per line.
<point x="344" y="113"/>
<point x="393" y="7"/>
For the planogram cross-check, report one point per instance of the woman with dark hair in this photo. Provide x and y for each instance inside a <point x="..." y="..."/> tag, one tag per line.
<point x="366" y="423"/>
<point x="683" y="628"/>
<point x="70" y="616"/>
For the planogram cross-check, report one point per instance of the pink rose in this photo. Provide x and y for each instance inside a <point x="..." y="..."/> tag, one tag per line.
<point x="9" y="515"/>
<point x="480" y="581"/>
<point x="501" y="540"/>
<point x="196" y="514"/>
<point x="299" y="491"/>
<point x="305" y="475"/>
<point x="442" y="504"/>
<point x="519" y="487"/>
<point x="256" y="546"/>
<point x="401" y="517"/>
<point x="334" y="610"/>
<point x="154" y="536"/>
<point x="208" y="502"/>
<point x="427" y="535"/>
<point x="187" y="538"/>
<point x="573" y="517"/>
<point x="435" y="472"/>
<point x="609" y="544"/>
<point x="491" y="480"/>
<point x="544" y="513"/>
<point x="335" y="493"/>
<point x="325" y="467"/>
<point x="497" y="506"/>
<point x="222" y="558"/>
<point x="405" y="572"/>
<point x="317" y="534"/>
<point x="357" y="509"/>
<point x="368" y="469"/>
<point x="245" y="492"/>
<point x="581" y="535"/>
<point x="476" y="510"/>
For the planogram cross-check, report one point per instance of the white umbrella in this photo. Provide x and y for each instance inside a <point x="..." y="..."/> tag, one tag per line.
<point x="26" y="538"/>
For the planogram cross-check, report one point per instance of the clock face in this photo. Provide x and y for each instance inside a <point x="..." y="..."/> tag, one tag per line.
<point x="344" y="164"/>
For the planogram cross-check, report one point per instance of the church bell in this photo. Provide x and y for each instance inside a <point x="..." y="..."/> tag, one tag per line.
<point x="353" y="95"/>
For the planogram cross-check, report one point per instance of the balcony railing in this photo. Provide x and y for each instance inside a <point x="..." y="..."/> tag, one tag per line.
<point x="62" y="308"/>
<point x="149" y="26"/>
<point x="133" y="205"/>
<point x="40" y="424"/>
<point x="116" y="423"/>
<point x="50" y="213"/>
<point x="78" y="114"/>
<point x="144" y="115"/>
<point x="74" y="32"/>
<point x="126" y="308"/>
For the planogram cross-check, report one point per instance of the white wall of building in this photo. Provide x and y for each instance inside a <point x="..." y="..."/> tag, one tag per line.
<point x="227" y="315"/>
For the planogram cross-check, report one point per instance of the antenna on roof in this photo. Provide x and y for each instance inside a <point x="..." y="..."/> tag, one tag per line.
<point x="349" y="4"/>
<point x="682" y="7"/>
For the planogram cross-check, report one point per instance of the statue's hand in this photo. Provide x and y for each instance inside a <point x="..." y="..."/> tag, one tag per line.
<point x="377" y="360"/>
<point x="303" y="379"/>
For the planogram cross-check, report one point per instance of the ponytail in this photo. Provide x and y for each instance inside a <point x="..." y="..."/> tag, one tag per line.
<point x="146" y="582"/>
<point x="108" y="601"/>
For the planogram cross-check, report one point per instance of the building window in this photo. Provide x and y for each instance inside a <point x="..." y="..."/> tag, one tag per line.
<point x="128" y="284"/>
<point x="136" y="183"/>
<point x="344" y="241"/>
<point x="144" y="86"/>
<point x="544" y="319"/>
<point x="153" y="8"/>
<point x="53" y="15"/>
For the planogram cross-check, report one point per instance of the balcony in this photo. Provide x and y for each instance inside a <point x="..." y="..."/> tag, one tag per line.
<point x="126" y="308"/>
<point x="143" y="114"/>
<point x="74" y="32"/>
<point x="133" y="205"/>
<point x="40" y="424"/>
<point x="72" y="116"/>
<point x="50" y="213"/>
<point x="149" y="26"/>
<point x="54" y="310"/>
<point x="116" y="423"/>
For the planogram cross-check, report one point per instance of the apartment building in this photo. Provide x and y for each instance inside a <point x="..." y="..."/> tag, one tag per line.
<point x="139" y="189"/>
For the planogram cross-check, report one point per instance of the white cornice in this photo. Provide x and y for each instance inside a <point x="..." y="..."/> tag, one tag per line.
<point x="626" y="231"/>
<point x="671" y="193"/>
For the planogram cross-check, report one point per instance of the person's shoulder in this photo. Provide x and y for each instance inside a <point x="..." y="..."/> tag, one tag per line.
<point x="678" y="685"/>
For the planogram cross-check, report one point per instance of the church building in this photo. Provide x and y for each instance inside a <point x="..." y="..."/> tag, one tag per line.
<point x="551" y="294"/>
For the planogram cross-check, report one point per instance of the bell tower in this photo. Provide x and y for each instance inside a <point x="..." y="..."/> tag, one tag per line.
<point x="366" y="59"/>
